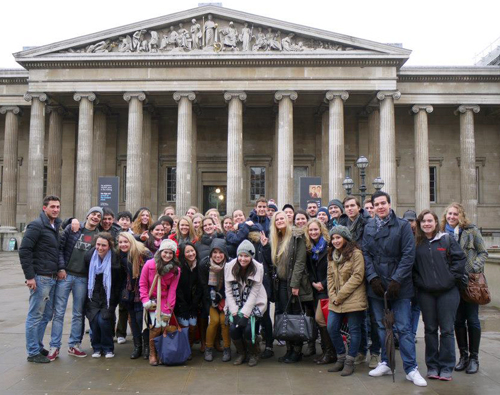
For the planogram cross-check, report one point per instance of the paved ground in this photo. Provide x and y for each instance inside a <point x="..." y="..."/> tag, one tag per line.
<point x="121" y="375"/>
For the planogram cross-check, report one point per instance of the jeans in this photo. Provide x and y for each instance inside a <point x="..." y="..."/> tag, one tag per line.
<point x="354" y="320"/>
<point x="402" y="315"/>
<point x="39" y="313"/>
<point x="78" y="287"/>
<point x="415" y="315"/>
<point x="267" y="327"/>
<point x="136" y="318"/>
<point x="370" y="326"/>
<point x="438" y="312"/>
<point x="363" y="345"/>
<point x="467" y="312"/>
<point x="187" y="322"/>
<point x="102" y="334"/>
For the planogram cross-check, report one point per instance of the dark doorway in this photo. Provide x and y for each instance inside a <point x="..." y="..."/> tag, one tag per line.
<point x="214" y="196"/>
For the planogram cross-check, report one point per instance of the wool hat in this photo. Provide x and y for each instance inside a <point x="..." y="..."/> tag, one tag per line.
<point x="95" y="209"/>
<point x="410" y="215"/>
<point x="246" y="247"/>
<point x="273" y="206"/>
<point x="337" y="203"/>
<point x="342" y="231"/>
<point x="168" y="244"/>
<point x="288" y="205"/>
<point x="324" y="210"/>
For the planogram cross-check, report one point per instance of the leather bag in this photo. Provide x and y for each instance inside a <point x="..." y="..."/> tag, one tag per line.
<point x="477" y="290"/>
<point x="294" y="327"/>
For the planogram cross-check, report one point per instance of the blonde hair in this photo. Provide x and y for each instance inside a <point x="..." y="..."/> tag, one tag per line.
<point x="168" y="207"/>
<point x="135" y="254"/>
<point x="137" y="225"/>
<point x="323" y="231"/>
<point x="463" y="221"/>
<point x="276" y="236"/>
<point x="192" y="235"/>
<point x="198" y="232"/>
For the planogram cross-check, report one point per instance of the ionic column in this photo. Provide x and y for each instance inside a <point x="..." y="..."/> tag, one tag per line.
<point x="36" y="155"/>
<point x="285" y="146"/>
<point x="468" y="181"/>
<point x="99" y="149"/>
<point x="54" y="151"/>
<point x="9" y="186"/>
<point x="146" y="156"/>
<point x="184" y="155"/>
<point x="325" y="156"/>
<point x="388" y="143"/>
<point x="133" y="198"/>
<point x="83" y="185"/>
<point x="373" y="170"/>
<point x="422" y="182"/>
<point x="235" y="150"/>
<point x="336" y="157"/>
<point x="194" y="156"/>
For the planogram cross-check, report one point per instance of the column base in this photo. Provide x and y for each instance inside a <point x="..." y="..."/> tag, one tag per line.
<point x="6" y="234"/>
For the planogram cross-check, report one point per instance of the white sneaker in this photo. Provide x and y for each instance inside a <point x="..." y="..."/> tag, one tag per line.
<point x="417" y="379"/>
<point x="97" y="354"/>
<point x="381" y="370"/>
<point x="121" y="340"/>
<point x="110" y="354"/>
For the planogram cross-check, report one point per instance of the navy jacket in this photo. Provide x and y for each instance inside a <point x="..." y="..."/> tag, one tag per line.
<point x="68" y="242"/>
<point x="262" y="223"/>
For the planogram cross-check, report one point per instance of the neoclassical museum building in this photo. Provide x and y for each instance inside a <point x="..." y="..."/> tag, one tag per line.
<point x="213" y="106"/>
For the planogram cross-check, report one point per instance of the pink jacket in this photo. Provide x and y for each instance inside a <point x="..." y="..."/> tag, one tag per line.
<point x="168" y="286"/>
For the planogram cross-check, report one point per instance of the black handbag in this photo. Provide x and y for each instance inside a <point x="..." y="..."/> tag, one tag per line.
<point x="294" y="327"/>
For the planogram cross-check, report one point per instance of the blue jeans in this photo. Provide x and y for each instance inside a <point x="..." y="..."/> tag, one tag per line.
<point x="467" y="312"/>
<point x="102" y="334"/>
<point x="39" y="313"/>
<point x="78" y="287"/>
<point x="354" y="320"/>
<point x="402" y="315"/>
<point x="187" y="322"/>
<point x="415" y="315"/>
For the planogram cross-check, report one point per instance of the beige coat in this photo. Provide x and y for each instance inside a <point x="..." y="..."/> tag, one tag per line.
<point x="346" y="284"/>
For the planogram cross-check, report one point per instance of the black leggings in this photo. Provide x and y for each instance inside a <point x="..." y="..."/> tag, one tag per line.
<point x="238" y="332"/>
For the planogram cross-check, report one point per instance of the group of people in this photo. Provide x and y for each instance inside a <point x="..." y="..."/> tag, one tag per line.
<point x="220" y="277"/>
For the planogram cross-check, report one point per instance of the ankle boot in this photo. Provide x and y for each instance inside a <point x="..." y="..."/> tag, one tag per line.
<point x="288" y="352"/>
<point x="461" y="335"/>
<point x="203" y="333"/>
<point x="254" y="350"/>
<point x="329" y="355"/>
<point x="145" y="344"/>
<point x="310" y="349"/>
<point x="339" y="365"/>
<point x="296" y="354"/>
<point x="136" y="353"/>
<point x="348" y="366"/>
<point x="241" y="349"/>
<point x="153" y="356"/>
<point x="474" y="340"/>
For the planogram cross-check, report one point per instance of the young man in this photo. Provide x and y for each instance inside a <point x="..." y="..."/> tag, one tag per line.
<point x="355" y="218"/>
<point x="259" y="215"/>
<point x="368" y="207"/>
<point x="389" y="252"/>
<point x="125" y="221"/>
<point x="312" y="208"/>
<point x="39" y="254"/>
<point x="411" y="217"/>
<point x="73" y="280"/>
<point x="271" y="209"/>
<point x="108" y="223"/>
<point x="289" y="211"/>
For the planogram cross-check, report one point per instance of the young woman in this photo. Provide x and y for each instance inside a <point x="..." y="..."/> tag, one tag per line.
<point x="456" y="224"/>
<point x="133" y="255"/>
<point x="169" y="210"/>
<point x="246" y="301"/>
<point x="214" y="298"/>
<point x="197" y="219"/>
<point x="214" y="213"/>
<point x="191" y="211"/>
<point x="155" y="235"/>
<point x="288" y="253"/>
<point x="105" y="283"/>
<point x="184" y="232"/>
<point x="347" y="294"/>
<point x="209" y="233"/>
<point x="161" y="272"/>
<point x="142" y="221"/>
<point x="300" y="218"/>
<point x="317" y="239"/>
<point x="438" y="269"/>
<point x="227" y="224"/>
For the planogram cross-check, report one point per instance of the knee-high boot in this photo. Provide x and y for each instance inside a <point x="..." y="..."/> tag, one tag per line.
<point x="474" y="340"/>
<point x="153" y="355"/>
<point x="145" y="342"/>
<point x="461" y="335"/>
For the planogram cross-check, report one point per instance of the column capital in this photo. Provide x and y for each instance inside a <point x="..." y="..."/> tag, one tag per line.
<point x="190" y="95"/>
<point x="381" y="95"/>
<point x="280" y="94"/>
<point x="422" y="107"/>
<point x="127" y="96"/>
<point x="88" y="95"/>
<point x="28" y="96"/>
<point x="59" y="109"/>
<point x="462" y="109"/>
<point x="330" y="95"/>
<point x="228" y="95"/>
<point x="14" y="109"/>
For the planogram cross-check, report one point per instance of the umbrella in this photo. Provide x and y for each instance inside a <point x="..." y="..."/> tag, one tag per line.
<point x="390" y="348"/>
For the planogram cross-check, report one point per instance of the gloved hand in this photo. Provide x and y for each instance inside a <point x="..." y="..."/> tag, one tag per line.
<point x="377" y="287"/>
<point x="393" y="289"/>
<point x="218" y="298"/>
<point x="165" y="317"/>
<point x="236" y="320"/>
<point x="464" y="281"/>
<point x="243" y="322"/>
<point x="150" y="304"/>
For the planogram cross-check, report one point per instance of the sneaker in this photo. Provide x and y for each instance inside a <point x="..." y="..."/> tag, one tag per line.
<point x="226" y="354"/>
<point x="109" y="354"/>
<point x="44" y="352"/>
<point x="39" y="358"/>
<point x="121" y="340"/>
<point x="417" y="379"/>
<point x="433" y="375"/>
<point x="209" y="354"/>
<point x="381" y="370"/>
<point x="373" y="361"/>
<point x="360" y="358"/>
<point x="77" y="352"/>
<point x="53" y="354"/>
<point x="96" y="354"/>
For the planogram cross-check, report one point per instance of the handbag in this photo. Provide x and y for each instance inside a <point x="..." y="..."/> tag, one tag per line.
<point x="173" y="346"/>
<point x="477" y="290"/>
<point x="294" y="327"/>
<point x="324" y="308"/>
<point x="126" y="296"/>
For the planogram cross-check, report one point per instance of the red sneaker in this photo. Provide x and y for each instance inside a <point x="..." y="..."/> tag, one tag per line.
<point x="77" y="352"/>
<point x="53" y="354"/>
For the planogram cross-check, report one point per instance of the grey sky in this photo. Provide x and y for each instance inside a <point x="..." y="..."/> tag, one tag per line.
<point x="439" y="32"/>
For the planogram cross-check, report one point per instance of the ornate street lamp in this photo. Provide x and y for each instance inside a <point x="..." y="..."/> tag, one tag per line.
<point x="362" y="163"/>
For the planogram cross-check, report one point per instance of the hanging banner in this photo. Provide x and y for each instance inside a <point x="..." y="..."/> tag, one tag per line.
<point x="108" y="193"/>
<point x="310" y="189"/>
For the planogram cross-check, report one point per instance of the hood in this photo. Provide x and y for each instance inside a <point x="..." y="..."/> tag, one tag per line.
<point x="221" y="245"/>
<point x="438" y="236"/>
<point x="297" y="232"/>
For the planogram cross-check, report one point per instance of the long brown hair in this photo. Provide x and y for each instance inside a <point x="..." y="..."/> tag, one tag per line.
<point x="347" y="250"/>
<point x="276" y="235"/>
<point x="137" y="226"/>
<point x="421" y="237"/>
<point x="236" y="271"/>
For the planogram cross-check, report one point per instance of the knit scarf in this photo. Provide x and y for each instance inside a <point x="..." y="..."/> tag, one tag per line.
<point x="163" y="267"/>
<point x="337" y="258"/>
<point x="456" y="232"/>
<point x="318" y="248"/>
<point x="382" y="222"/>
<point x="241" y="298"/>
<point x="98" y="266"/>
<point x="216" y="274"/>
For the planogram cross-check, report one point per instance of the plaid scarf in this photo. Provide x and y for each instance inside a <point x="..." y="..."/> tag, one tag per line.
<point x="381" y="222"/>
<point x="241" y="299"/>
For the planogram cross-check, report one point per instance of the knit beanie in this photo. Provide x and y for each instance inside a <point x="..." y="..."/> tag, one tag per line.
<point x="246" y="248"/>
<point x="168" y="244"/>
<point x="342" y="231"/>
<point x="273" y="206"/>
<point x="95" y="209"/>
<point x="337" y="203"/>
<point x="324" y="210"/>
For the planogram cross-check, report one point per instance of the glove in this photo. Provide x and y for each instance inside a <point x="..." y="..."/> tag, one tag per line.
<point x="236" y="320"/>
<point x="150" y="304"/>
<point x="243" y="322"/>
<point x="165" y="317"/>
<point x="377" y="287"/>
<point x="393" y="289"/>
<point x="218" y="298"/>
<point x="464" y="281"/>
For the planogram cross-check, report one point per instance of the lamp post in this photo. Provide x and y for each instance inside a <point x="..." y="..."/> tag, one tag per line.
<point x="348" y="184"/>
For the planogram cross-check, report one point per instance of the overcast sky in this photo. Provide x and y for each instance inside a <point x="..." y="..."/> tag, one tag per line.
<point x="439" y="32"/>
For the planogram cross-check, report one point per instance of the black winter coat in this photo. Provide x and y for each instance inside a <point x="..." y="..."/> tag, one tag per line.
<point x="263" y="255"/>
<point x="317" y="273"/>
<point x="203" y="245"/>
<point x="39" y="248"/>
<point x="234" y="238"/>
<point x="439" y="264"/>
<point x="68" y="242"/>
<point x="189" y="293"/>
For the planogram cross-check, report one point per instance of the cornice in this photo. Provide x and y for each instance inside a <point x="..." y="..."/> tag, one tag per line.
<point x="449" y="74"/>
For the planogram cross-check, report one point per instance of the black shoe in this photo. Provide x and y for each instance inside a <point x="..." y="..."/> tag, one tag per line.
<point x="294" y="357"/>
<point x="268" y="353"/>
<point x="286" y="356"/>
<point x="136" y="353"/>
<point x="44" y="352"/>
<point x="473" y="366"/>
<point x="463" y="362"/>
<point x="145" y="353"/>
<point x="39" y="358"/>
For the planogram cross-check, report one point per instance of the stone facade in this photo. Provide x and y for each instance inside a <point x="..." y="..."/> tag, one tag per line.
<point x="301" y="101"/>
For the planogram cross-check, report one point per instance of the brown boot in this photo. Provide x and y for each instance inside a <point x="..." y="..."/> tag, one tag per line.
<point x="203" y="333"/>
<point x="254" y="350"/>
<point x="329" y="356"/>
<point x="348" y="366"/>
<point x="153" y="355"/>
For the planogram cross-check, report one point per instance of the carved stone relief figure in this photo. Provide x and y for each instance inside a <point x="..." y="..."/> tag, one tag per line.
<point x="273" y="40"/>
<point x="230" y="37"/>
<point x="196" y="35"/>
<point x="153" y="42"/>
<point x="209" y="32"/>
<point x="138" y="42"/>
<point x="183" y="38"/>
<point x="126" y="44"/>
<point x="260" y="41"/>
<point x="246" y="37"/>
<point x="101" y="46"/>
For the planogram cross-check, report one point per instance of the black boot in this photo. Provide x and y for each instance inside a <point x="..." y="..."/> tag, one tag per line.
<point x="474" y="340"/>
<point x="461" y="335"/>
<point x="145" y="342"/>
<point x="137" y="348"/>
<point x="296" y="354"/>
<point x="329" y="356"/>
<point x="288" y="352"/>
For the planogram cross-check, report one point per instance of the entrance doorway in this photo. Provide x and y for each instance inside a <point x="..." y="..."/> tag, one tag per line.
<point x="214" y="196"/>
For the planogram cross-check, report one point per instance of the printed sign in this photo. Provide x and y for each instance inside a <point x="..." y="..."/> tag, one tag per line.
<point x="108" y="193"/>
<point x="310" y="189"/>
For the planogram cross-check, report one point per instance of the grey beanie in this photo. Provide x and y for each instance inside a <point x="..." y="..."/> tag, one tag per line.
<point x="246" y="248"/>
<point x="337" y="203"/>
<point x="95" y="209"/>
<point x="342" y="231"/>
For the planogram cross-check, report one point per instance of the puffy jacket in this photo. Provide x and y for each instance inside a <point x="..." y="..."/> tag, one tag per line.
<point x="39" y="250"/>
<point x="317" y="273"/>
<point x="439" y="264"/>
<point x="234" y="238"/>
<point x="189" y="292"/>
<point x="68" y="242"/>
<point x="389" y="254"/>
<point x="203" y="245"/>
<point x="262" y="223"/>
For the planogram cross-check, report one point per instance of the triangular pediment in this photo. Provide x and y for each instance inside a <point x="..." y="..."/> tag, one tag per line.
<point x="210" y="31"/>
